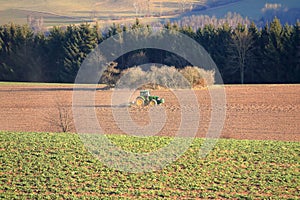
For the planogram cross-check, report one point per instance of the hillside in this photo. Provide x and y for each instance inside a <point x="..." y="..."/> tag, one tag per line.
<point x="256" y="10"/>
<point x="58" y="12"/>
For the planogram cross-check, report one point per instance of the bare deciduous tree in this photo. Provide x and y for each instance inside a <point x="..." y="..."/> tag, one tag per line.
<point x="240" y="50"/>
<point x="61" y="119"/>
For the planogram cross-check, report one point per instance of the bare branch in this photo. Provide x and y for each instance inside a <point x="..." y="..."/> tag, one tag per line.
<point x="62" y="118"/>
<point x="240" y="50"/>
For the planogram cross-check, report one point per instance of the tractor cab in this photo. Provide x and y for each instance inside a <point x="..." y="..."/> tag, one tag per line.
<point x="144" y="93"/>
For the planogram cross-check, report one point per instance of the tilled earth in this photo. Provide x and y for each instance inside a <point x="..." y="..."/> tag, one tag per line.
<point x="263" y="112"/>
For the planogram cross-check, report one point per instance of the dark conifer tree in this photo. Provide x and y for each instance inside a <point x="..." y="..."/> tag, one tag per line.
<point x="274" y="50"/>
<point x="80" y="42"/>
<point x="295" y="73"/>
<point x="254" y="63"/>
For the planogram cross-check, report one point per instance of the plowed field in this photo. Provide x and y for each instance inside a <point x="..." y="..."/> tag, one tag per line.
<point x="263" y="112"/>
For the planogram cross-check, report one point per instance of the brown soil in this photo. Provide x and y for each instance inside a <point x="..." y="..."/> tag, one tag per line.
<point x="263" y="112"/>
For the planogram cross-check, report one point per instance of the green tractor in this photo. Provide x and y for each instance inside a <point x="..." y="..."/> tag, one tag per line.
<point x="146" y="99"/>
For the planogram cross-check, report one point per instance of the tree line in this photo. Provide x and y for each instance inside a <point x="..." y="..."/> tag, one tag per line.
<point x="243" y="54"/>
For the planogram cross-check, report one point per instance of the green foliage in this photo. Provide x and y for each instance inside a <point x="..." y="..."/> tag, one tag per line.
<point x="55" y="50"/>
<point x="47" y="165"/>
<point x="274" y="48"/>
<point x="19" y="55"/>
<point x="114" y="29"/>
<point x="242" y="54"/>
<point x="294" y="54"/>
<point x="81" y="41"/>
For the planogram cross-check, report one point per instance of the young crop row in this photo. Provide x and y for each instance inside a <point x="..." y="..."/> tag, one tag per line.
<point x="48" y="165"/>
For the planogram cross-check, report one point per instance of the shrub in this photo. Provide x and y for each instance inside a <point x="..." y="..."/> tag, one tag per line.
<point x="166" y="77"/>
<point x="198" y="77"/>
<point x="156" y="77"/>
<point x="131" y="78"/>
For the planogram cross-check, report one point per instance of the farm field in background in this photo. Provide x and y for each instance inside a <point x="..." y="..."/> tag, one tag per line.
<point x="106" y="12"/>
<point x="48" y="165"/>
<point x="73" y="12"/>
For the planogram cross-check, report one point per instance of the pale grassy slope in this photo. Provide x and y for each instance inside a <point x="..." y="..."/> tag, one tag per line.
<point x="74" y="7"/>
<point x="56" y="11"/>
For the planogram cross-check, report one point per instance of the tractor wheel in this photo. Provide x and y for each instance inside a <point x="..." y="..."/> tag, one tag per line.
<point x="140" y="101"/>
<point x="153" y="102"/>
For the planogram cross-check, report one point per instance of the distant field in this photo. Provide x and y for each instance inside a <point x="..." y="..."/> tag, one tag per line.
<point x="74" y="11"/>
<point x="47" y="165"/>
<point x="58" y="12"/>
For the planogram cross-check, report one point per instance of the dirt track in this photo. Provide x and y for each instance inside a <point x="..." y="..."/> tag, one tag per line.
<point x="270" y="112"/>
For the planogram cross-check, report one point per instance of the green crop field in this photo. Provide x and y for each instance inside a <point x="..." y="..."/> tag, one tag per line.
<point x="48" y="165"/>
